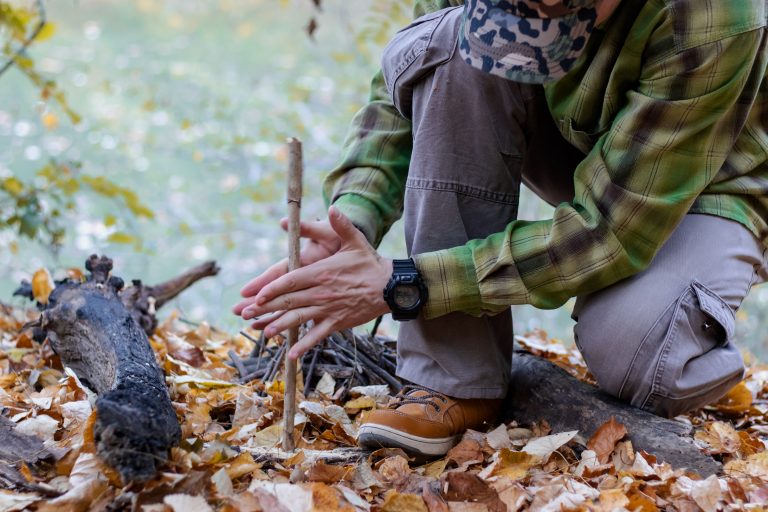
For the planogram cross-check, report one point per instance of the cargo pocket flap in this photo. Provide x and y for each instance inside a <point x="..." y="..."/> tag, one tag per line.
<point x="415" y="51"/>
<point x="716" y="308"/>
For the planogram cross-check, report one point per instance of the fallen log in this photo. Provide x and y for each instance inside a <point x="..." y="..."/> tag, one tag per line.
<point x="539" y="390"/>
<point x="101" y="335"/>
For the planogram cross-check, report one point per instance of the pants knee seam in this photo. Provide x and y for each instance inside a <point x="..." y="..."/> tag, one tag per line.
<point x="666" y="346"/>
<point x="624" y="383"/>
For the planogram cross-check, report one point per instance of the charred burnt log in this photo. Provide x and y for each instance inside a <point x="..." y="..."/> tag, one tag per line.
<point x="101" y="335"/>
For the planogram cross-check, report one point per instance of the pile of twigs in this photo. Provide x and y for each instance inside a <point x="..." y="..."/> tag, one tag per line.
<point x="352" y="359"/>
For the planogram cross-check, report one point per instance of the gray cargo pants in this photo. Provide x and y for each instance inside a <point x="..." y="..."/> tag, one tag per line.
<point x="661" y="340"/>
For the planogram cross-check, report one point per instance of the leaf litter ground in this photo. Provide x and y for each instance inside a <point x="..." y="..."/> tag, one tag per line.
<point x="229" y="458"/>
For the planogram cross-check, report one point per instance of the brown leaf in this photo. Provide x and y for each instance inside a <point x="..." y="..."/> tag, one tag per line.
<point x="466" y="452"/>
<point x="431" y="496"/>
<point x="612" y="499"/>
<point x="185" y="351"/>
<point x="720" y="437"/>
<point x="641" y="503"/>
<point x="604" y="440"/>
<point x="328" y="473"/>
<point x="736" y="402"/>
<point x="749" y="445"/>
<point x="185" y="503"/>
<point x="512" y="494"/>
<point x="42" y="285"/>
<point x="394" y="469"/>
<point x="469" y="487"/>
<point x="396" y="502"/>
<point x="514" y="465"/>
<point x="326" y="499"/>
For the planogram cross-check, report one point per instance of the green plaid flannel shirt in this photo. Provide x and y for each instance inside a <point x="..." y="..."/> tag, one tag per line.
<point x="669" y="104"/>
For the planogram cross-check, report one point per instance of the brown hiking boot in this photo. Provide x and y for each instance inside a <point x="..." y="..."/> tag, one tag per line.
<point x="424" y="422"/>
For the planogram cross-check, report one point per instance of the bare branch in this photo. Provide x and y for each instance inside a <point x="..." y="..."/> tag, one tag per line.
<point x="23" y="48"/>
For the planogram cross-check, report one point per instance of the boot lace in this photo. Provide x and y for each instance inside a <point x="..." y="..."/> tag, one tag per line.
<point x="404" y="397"/>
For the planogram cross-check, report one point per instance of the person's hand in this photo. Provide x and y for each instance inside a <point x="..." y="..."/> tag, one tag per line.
<point x="323" y="242"/>
<point x="339" y="291"/>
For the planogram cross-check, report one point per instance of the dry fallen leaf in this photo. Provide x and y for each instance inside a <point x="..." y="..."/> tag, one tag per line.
<point x="514" y="465"/>
<point x="394" y="469"/>
<point x="468" y="451"/>
<point x="470" y="488"/>
<point x="396" y="502"/>
<point x="187" y="503"/>
<point x="543" y="447"/>
<point x="605" y="438"/>
<point x="42" y="285"/>
<point x="736" y="402"/>
<point x="720" y="437"/>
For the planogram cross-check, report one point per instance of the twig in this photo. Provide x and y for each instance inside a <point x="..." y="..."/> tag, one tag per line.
<point x="295" y="173"/>
<point x="274" y="366"/>
<point x="391" y="381"/>
<point x="23" y="48"/>
<point x="238" y="363"/>
<point x="311" y="370"/>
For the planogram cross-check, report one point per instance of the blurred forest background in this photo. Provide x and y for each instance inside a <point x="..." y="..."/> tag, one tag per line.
<point x="153" y="131"/>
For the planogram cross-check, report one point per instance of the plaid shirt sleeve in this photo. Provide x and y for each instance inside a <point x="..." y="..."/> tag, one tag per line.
<point x="663" y="148"/>
<point x="659" y="150"/>
<point x="368" y="185"/>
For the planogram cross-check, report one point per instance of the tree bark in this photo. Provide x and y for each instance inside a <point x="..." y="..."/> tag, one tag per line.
<point x="539" y="390"/>
<point x="101" y="335"/>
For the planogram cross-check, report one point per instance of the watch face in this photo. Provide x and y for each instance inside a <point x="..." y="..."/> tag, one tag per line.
<point x="406" y="296"/>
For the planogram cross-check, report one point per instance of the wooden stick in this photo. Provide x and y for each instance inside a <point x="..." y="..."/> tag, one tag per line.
<point x="295" y="173"/>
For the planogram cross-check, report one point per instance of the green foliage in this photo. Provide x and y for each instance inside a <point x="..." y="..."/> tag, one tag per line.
<point x="37" y="209"/>
<point x="22" y="27"/>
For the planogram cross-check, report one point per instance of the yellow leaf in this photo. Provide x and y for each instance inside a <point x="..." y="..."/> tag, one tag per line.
<point x="363" y="402"/>
<point x="50" y="121"/>
<point x="277" y="386"/>
<point x="514" y="465"/>
<point x="737" y="401"/>
<point x="121" y="238"/>
<point x="185" y="229"/>
<point x="42" y="285"/>
<point x="46" y="32"/>
<point x="110" y="220"/>
<point x="396" y="502"/>
<point x="13" y="186"/>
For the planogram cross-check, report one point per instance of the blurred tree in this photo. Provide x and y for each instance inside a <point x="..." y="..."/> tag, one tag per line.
<point x="36" y="208"/>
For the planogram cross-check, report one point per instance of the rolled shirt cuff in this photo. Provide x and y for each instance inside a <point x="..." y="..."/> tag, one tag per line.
<point x="363" y="214"/>
<point x="451" y="281"/>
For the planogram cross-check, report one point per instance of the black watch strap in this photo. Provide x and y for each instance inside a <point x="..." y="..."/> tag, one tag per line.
<point x="405" y="273"/>
<point x="405" y="267"/>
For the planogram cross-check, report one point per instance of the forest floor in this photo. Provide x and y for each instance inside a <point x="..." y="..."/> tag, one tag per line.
<point x="228" y="459"/>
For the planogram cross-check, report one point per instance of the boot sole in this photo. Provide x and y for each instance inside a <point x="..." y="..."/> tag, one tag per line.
<point x="380" y="436"/>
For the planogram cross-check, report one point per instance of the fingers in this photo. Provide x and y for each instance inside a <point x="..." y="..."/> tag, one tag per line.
<point x="314" y="336"/>
<point x="255" y="285"/>
<point x="344" y="227"/>
<point x="299" y="279"/>
<point x="263" y="321"/>
<point x="285" y="302"/>
<point x="293" y="318"/>
<point x="242" y="305"/>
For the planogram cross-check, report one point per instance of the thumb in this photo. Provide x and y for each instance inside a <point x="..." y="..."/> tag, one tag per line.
<point x="344" y="227"/>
